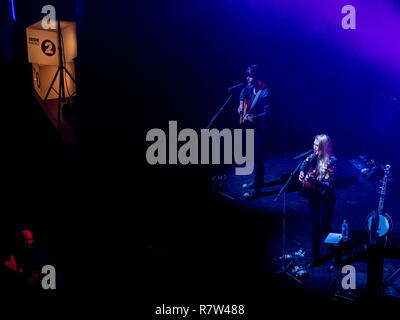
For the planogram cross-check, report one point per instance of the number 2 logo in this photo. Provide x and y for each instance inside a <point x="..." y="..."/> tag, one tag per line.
<point x="48" y="48"/>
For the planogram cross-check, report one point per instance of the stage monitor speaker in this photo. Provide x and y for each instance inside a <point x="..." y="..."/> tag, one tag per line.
<point x="43" y="44"/>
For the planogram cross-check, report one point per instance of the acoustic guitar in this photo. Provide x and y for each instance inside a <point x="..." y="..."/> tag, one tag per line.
<point x="246" y="107"/>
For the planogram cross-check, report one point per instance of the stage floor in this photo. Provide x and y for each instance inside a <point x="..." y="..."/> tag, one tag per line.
<point x="356" y="196"/>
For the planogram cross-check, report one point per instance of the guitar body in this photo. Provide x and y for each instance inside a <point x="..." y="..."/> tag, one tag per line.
<point x="246" y="107"/>
<point x="307" y="186"/>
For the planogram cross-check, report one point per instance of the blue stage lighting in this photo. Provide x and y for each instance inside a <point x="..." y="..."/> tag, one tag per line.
<point x="13" y="10"/>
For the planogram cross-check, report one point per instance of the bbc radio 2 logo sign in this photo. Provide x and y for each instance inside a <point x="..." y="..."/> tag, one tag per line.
<point x="48" y="48"/>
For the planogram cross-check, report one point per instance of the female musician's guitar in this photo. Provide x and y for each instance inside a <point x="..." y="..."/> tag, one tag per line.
<point x="378" y="223"/>
<point x="307" y="187"/>
<point x="311" y="175"/>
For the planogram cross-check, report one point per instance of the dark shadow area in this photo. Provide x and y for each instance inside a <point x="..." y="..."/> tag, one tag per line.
<point x="345" y="182"/>
<point x="120" y="227"/>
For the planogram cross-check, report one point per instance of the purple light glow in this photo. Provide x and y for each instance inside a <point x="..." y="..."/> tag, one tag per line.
<point x="377" y="34"/>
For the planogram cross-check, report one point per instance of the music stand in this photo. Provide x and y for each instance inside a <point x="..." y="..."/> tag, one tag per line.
<point x="60" y="71"/>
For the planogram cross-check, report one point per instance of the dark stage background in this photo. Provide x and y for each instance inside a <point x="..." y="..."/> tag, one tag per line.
<point x="143" y="63"/>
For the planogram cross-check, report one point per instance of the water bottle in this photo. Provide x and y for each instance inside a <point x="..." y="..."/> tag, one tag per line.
<point x="345" y="230"/>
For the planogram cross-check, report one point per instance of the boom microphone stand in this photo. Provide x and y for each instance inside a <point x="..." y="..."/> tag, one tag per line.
<point x="60" y="71"/>
<point x="218" y="188"/>
<point x="283" y="190"/>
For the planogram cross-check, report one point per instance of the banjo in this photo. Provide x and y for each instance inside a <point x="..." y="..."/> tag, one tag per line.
<point x="378" y="223"/>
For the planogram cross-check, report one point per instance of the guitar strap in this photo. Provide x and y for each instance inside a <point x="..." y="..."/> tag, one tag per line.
<point x="255" y="100"/>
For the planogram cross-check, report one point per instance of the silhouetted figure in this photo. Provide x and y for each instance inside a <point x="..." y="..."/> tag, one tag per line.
<point x="22" y="270"/>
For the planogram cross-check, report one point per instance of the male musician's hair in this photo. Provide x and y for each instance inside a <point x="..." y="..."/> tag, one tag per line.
<point x="324" y="147"/>
<point x="255" y="71"/>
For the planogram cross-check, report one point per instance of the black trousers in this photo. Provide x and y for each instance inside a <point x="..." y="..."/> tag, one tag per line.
<point x="322" y="207"/>
<point x="259" y="146"/>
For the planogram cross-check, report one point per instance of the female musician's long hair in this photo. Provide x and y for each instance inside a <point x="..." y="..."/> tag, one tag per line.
<point x="324" y="150"/>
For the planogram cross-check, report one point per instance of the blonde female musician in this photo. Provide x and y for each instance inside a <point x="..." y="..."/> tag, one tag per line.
<point x="317" y="174"/>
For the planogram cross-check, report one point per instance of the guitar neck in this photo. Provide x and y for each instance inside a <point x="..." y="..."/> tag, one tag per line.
<point x="383" y="193"/>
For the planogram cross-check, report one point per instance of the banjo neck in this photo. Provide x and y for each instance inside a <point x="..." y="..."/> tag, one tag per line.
<point x="383" y="190"/>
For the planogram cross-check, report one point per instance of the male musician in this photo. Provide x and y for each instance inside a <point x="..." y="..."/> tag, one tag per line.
<point x="255" y="94"/>
<point x="317" y="174"/>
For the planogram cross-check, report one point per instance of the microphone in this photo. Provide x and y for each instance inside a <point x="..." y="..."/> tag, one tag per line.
<point x="304" y="154"/>
<point x="235" y="86"/>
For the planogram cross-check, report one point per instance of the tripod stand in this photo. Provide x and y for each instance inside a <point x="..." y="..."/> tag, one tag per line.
<point x="285" y="267"/>
<point x="60" y="71"/>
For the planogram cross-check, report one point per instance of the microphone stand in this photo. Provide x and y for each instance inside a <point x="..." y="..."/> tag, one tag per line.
<point x="225" y="103"/>
<point x="218" y="189"/>
<point x="219" y="111"/>
<point x="283" y="190"/>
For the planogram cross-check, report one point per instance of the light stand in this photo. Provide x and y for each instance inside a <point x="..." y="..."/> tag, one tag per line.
<point x="60" y="71"/>
<point x="218" y="188"/>
<point x="283" y="190"/>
